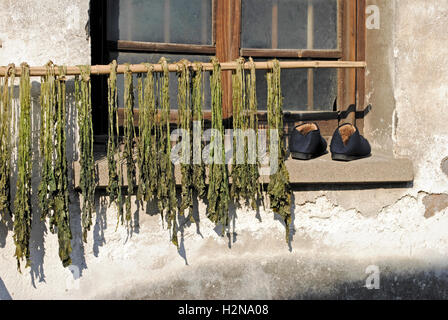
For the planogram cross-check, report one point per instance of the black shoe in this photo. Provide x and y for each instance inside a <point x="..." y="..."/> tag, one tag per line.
<point x="306" y="142"/>
<point x="347" y="144"/>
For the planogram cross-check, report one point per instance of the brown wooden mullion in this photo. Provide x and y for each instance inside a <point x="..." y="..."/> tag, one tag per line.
<point x="228" y="33"/>
<point x="151" y="47"/>
<point x="360" y="56"/>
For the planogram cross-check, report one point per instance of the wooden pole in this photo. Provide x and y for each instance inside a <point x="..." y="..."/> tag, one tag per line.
<point x="173" y="67"/>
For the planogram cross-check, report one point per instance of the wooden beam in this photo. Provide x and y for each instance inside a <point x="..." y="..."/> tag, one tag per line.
<point x="173" y="67"/>
<point x="150" y="47"/>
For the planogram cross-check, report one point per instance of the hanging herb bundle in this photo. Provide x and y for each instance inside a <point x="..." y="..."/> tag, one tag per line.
<point x="166" y="192"/>
<point x="87" y="161"/>
<point x="61" y="201"/>
<point x="279" y="189"/>
<point x="198" y="175"/>
<point x="147" y="151"/>
<point x="114" y="187"/>
<point x="218" y="190"/>
<point x="47" y="187"/>
<point x="240" y="167"/>
<point x="253" y="174"/>
<point x="6" y="91"/>
<point x="129" y="135"/>
<point x="22" y="203"/>
<point x="184" y="105"/>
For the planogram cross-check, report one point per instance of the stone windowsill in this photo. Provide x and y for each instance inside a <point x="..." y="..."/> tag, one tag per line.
<point x="380" y="168"/>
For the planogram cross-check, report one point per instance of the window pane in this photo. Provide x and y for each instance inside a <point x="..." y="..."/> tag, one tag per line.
<point x="325" y="89"/>
<point x="286" y="24"/>
<point x="325" y="24"/>
<point x="135" y="58"/>
<point x="294" y="84"/>
<point x="173" y="21"/>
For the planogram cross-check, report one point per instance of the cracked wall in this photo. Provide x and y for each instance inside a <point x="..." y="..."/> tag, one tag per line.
<point x="339" y="231"/>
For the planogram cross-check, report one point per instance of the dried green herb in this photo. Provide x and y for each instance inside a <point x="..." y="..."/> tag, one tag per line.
<point x="61" y="200"/>
<point x="129" y="135"/>
<point x="185" y="117"/>
<point x="279" y="189"/>
<point x="87" y="162"/>
<point x="166" y="192"/>
<point x="47" y="187"/>
<point x="240" y="168"/>
<point x="147" y="148"/>
<point x="114" y="187"/>
<point x="218" y="189"/>
<point x="254" y="186"/>
<point x="6" y="91"/>
<point x="198" y="178"/>
<point x="22" y="203"/>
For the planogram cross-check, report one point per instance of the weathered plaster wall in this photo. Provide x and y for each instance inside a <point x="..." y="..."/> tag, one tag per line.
<point x="339" y="231"/>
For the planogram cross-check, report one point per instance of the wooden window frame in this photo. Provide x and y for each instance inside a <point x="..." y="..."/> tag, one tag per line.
<point x="226" y="45"/>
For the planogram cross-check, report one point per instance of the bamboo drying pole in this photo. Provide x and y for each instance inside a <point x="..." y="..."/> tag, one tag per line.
<point x="173" y="67"/>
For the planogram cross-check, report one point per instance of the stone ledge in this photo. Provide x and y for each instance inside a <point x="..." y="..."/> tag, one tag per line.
<point x="380" y="168"/>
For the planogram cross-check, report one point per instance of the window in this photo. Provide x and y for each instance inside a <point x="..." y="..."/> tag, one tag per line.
<point x="137" y="31"/>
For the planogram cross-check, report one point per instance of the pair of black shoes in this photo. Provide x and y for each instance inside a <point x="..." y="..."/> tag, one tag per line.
<point x="347" y="144"/>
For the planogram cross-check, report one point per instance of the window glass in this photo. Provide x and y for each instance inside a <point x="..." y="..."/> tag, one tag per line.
<point x="283" y="24"/>
<point x="170" y="21"/>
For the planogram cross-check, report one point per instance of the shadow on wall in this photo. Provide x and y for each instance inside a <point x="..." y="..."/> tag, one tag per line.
<point x="299" y="277"/>
<point x="4" y="294"/>
<point x="39" y="229"/>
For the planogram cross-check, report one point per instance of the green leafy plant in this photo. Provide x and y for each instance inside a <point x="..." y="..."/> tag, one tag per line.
<point x="254" y="187"/>
<point x="279" y="189"/>
<point x="48" y="101"/>
<point x="6" y="91"/>
<point x="198" y="174"/>
<point x="185" y="118"/>
<point x="147" y="149"/>
<point x="166" y="192"/>
<point x="218" y="189"/>
<point x="113" y="187"/>
<point x="61" y="200"/>
<point x="22" y="203"/>
<point x="87" y="161"/>
<point x="129" y="136"/>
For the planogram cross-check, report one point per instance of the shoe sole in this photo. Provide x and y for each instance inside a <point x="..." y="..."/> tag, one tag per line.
<point x="346" y="158"/>
<point x="305" y="156"/>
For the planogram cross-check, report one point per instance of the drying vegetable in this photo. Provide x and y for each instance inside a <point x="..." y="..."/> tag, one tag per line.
<point x="184" y="107"/>
<point x="279" y="189"/>
<point x="22" y="203"/>
<point x="47" y="187"/>
<point x="129" y="135"/>
<point x="218" y="190"/>
<point x="113" y="187"/>
<point x="6" y="92"/>
<point x="147" y="143"/>
<point x="198" y="175"/>
<point x="240" y="167"/>
<point x="166" y="192"/>
<point x="87" y="161"/>
<point x="61" y="201"/>
<point x="253" y="176"/>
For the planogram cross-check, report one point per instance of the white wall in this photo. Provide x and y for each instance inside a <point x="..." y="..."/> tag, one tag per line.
<point x="338" y="233"/>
